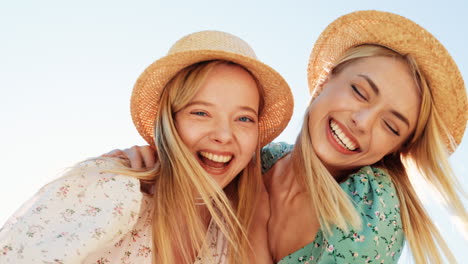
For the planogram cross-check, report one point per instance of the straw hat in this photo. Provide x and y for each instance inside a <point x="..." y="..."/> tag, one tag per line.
<point x="205" y="46"/>
<point x="406" y="37"/>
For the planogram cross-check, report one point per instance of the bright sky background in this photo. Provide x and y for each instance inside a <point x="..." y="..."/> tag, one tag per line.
<point x="67" y="69"/>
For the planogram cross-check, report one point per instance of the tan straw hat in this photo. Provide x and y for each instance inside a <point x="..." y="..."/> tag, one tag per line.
<point x="405" y="37"/>
<point x="205" y="46"/>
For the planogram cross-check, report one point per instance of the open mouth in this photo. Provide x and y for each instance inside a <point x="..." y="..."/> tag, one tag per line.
<point x="341" y="138"/>
<point x="214" y="161"/>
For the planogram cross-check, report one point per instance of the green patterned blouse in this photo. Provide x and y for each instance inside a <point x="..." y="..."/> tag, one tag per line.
<point x="381" y="239"/>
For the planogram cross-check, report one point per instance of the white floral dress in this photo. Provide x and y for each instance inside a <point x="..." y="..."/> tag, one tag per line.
<point x="88" y="216"/>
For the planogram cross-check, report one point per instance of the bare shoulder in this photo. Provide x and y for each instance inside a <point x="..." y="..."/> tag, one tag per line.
<point x="279" y="173"/>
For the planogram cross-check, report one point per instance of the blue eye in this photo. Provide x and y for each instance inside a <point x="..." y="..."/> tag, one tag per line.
<point x="199" y="113"/>
<point x="246" y="119"/>
<point x="356" y="90"/>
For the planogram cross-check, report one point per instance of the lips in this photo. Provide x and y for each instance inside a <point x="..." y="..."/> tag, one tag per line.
<point x="213" y="161"/>
<point x="342" y="138"/>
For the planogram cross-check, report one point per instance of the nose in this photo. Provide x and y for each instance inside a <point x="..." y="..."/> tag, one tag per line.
<point x="222" y="132"/>
<point x="363" y="120"/>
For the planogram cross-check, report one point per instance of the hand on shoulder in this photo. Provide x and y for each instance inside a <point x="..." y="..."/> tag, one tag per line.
<point x="139" y="156"/>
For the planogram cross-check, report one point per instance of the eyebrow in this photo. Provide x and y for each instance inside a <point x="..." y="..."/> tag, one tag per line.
<point x="376" y="90"/>
<point x="401" y="117"/>
<point x="245" y="108"/>
<point x="371" y="83"/>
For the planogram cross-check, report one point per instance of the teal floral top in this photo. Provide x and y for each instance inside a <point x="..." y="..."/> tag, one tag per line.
<point x="381" y="239"/>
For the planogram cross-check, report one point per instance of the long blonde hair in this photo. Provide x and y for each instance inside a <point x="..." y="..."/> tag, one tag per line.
<point x="332" y="206"/>
<point x="178" y="178"/>
<point x="425" y="149"/>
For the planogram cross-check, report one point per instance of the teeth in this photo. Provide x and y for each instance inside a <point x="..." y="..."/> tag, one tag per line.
<point x="341" y="137"/>
<point x="216" y="158"/>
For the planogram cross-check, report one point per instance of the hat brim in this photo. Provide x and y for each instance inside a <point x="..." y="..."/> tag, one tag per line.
<point x="278" y="100"/>
<point x="405" y="37"/>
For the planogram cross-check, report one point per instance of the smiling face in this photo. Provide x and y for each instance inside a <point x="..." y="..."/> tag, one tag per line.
<point x="219" y="125"/>
<point x="365" y="111"/>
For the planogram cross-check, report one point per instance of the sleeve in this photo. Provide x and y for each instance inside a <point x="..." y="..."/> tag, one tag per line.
<point x="72" y="216"/>
<point x="272" y="152"/>
<point x="381" y="238"/>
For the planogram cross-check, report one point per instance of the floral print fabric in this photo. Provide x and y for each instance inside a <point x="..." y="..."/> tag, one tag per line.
<point x="381" y="238"/>
<point x="88" y="216"/>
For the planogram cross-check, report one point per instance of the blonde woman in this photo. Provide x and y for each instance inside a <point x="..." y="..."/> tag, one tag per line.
<point x="386" y="95"/>
<point x="207" y="108"/>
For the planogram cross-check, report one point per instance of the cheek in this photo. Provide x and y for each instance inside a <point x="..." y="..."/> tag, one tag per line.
<point x="248" y="141"/>
<point x="322" y="106"/>
<point x="313" y="122"/>
<point x="384" y="144"/>
<point x="187" y="131"/>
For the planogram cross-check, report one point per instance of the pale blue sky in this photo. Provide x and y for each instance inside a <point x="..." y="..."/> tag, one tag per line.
<point x="67" y="69"/>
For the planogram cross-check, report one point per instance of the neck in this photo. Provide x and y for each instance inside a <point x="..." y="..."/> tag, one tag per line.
<point x="341" y="175"/>
<point x="204" y="215"/>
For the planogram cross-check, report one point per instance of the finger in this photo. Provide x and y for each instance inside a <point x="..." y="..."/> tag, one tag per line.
<point x="149" y="156"/>
<point x="116" y="153"/>
<point x="134" y="155"/>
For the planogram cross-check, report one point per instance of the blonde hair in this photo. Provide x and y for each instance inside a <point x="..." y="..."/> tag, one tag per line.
<point x="332" y="206"/>
<point x="178" y="178"/>
<point x="425" y="148"/>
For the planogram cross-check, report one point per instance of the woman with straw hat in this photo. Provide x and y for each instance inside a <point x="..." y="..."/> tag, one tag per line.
<point x="387" y="96"/>
<point x="207" y="108"/>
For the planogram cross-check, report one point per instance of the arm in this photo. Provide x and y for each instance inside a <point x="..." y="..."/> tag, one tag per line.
<point x="146" y="157"/>
<point x="71" y="217"/>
